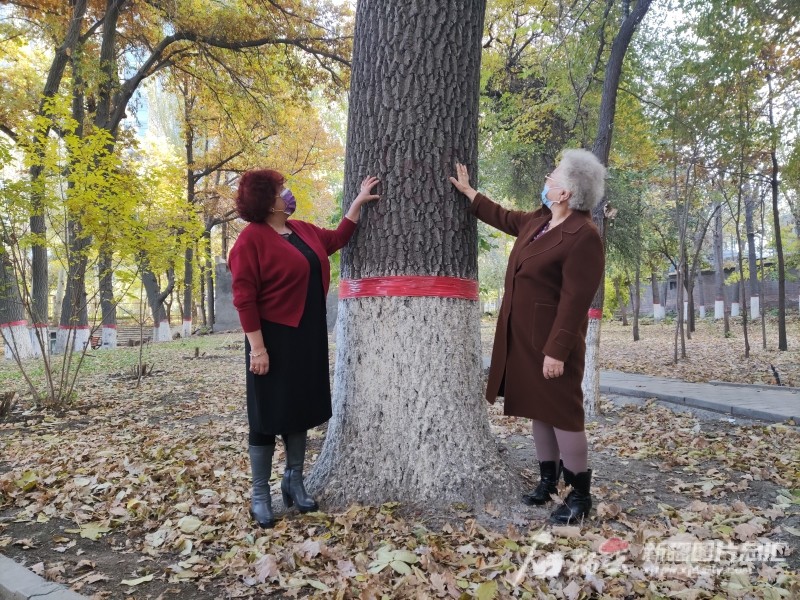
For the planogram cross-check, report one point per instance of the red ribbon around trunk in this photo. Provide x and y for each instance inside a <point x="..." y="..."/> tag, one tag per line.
<point x="410" y="286"/>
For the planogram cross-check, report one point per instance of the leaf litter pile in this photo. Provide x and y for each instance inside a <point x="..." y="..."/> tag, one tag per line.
<point x="144" y="493"/>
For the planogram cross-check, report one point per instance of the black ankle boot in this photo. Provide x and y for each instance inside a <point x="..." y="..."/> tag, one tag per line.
<point x="260" y="499"/>
<point x="578" y="502"/>
<point x="549" y="473"/>
<point x="292" y="488"/>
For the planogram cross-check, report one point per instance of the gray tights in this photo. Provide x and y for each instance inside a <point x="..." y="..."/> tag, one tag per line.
<point x="570" y="446"/>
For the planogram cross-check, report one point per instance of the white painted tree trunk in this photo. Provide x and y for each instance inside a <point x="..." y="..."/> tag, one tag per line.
<point x="408" y="387"/>
<point x="719" y="309"/>
<point x="685" y="311"/>
<point x="76" y="337"/>
<point x="702" y="311"/>
<point x="17" y="340"/>
<point x="186" y="331"/>
<point x="108" y="337"/>
<point x="734" y="309"/>
<point x="162" y="332"/>
<point x="755" y="308"/>
<point x="659" y="312"/>
<point x="591" y="374"/>
<point x="40" y="340"/>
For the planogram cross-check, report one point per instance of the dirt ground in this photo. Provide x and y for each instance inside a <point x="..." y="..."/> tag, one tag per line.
<point x="142" y="493"/>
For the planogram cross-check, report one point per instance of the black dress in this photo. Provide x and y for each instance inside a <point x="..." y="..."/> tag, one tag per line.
<point x="295" y="394"/>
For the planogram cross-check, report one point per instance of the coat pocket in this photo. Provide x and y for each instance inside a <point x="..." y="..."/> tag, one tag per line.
<point x="543" y="317"/>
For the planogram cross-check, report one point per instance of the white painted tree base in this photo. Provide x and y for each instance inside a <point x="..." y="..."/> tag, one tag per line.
<point x="77" y="337"/>
<point x="591" y="374"/>
<point x="719" y="309"/>
<point x="40" y="340"/>
<point x="685" y="311"/>
<point x="186" y="330"/>
<point x="17" y="341"/>
<point x="659" y="312"/>
<point x="734" y="309"/>
<point x="162" y="333"/>
<point x="108" y="338"/>
<point x="702" y="312"/>
<point x="755" y="308"/>
<point x="410" y="423"/>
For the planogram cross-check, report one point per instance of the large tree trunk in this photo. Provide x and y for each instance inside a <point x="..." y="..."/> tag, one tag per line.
<point x="156" y="298"/>
<point x="602" y="148"/>
<point x="74" y="330"/>
<point x="409" y="422"/>
<point x="104" y="119"/>
<point x="13" y="324"/>
<point x="40" y="285"/>
<point x="73" y="325"/>
<point x="108" y="307"/>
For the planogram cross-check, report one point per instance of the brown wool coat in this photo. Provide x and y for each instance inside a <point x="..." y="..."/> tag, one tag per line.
<point x="549" y="287"/>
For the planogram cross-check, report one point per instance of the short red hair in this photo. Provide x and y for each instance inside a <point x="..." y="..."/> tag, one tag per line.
<point x="256" y="194"/>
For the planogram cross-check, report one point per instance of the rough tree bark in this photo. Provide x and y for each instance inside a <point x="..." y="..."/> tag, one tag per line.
<point x="601" y="149"/>
<point x="409" y="422"/>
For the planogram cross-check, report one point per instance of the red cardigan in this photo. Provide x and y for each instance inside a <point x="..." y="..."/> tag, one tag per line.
<point x="270" y="276"/>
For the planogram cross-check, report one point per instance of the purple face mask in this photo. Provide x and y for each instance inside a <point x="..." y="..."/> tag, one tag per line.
<point x="289" y="200"/>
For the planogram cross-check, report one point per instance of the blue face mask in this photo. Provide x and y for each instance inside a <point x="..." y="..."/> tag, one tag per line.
<point x="545" y="200"/>
<point x="289" y="200"/>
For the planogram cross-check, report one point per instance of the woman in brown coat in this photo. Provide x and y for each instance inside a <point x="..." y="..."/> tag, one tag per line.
<point x="553" y="272"/>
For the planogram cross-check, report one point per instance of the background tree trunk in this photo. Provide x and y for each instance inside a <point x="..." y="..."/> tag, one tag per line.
<point x="409" y="422"/>
<point x="750" y="200"/>
<point x="658" y="308"/>
<point x="782" y="341"/>
<point x="156" y="298"/>
<point x="13" y="324"/>
<point x="73" y="324"/>
<point x="701" y="292"/>
<point x="107" y="305"/>
<point x="40" y="284"/>
<point x="601" y="149"/>
<point x="719" y="270"/>
<point x="637" y="299"/>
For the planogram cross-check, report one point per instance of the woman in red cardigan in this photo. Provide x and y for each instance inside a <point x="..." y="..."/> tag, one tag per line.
<point x="281" y="276"/>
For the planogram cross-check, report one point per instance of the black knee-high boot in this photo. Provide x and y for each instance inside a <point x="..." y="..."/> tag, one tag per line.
<point x="579" y="501"/>
<point x="261" y="469"/>
<point x="294" y="492"/>
<point x="549" y="472"/>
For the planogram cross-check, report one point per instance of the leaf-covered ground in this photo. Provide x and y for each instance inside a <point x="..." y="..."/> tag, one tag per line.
<point x="143" y="493"/>
<point x="710" y="355"/>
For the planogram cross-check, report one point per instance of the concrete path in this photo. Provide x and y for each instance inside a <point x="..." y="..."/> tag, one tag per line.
<point x="18" y="583"/>
<point x="767" y="402"/>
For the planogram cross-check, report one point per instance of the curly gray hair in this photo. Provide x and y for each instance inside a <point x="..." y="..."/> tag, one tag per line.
<point x="583" y="175"/>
